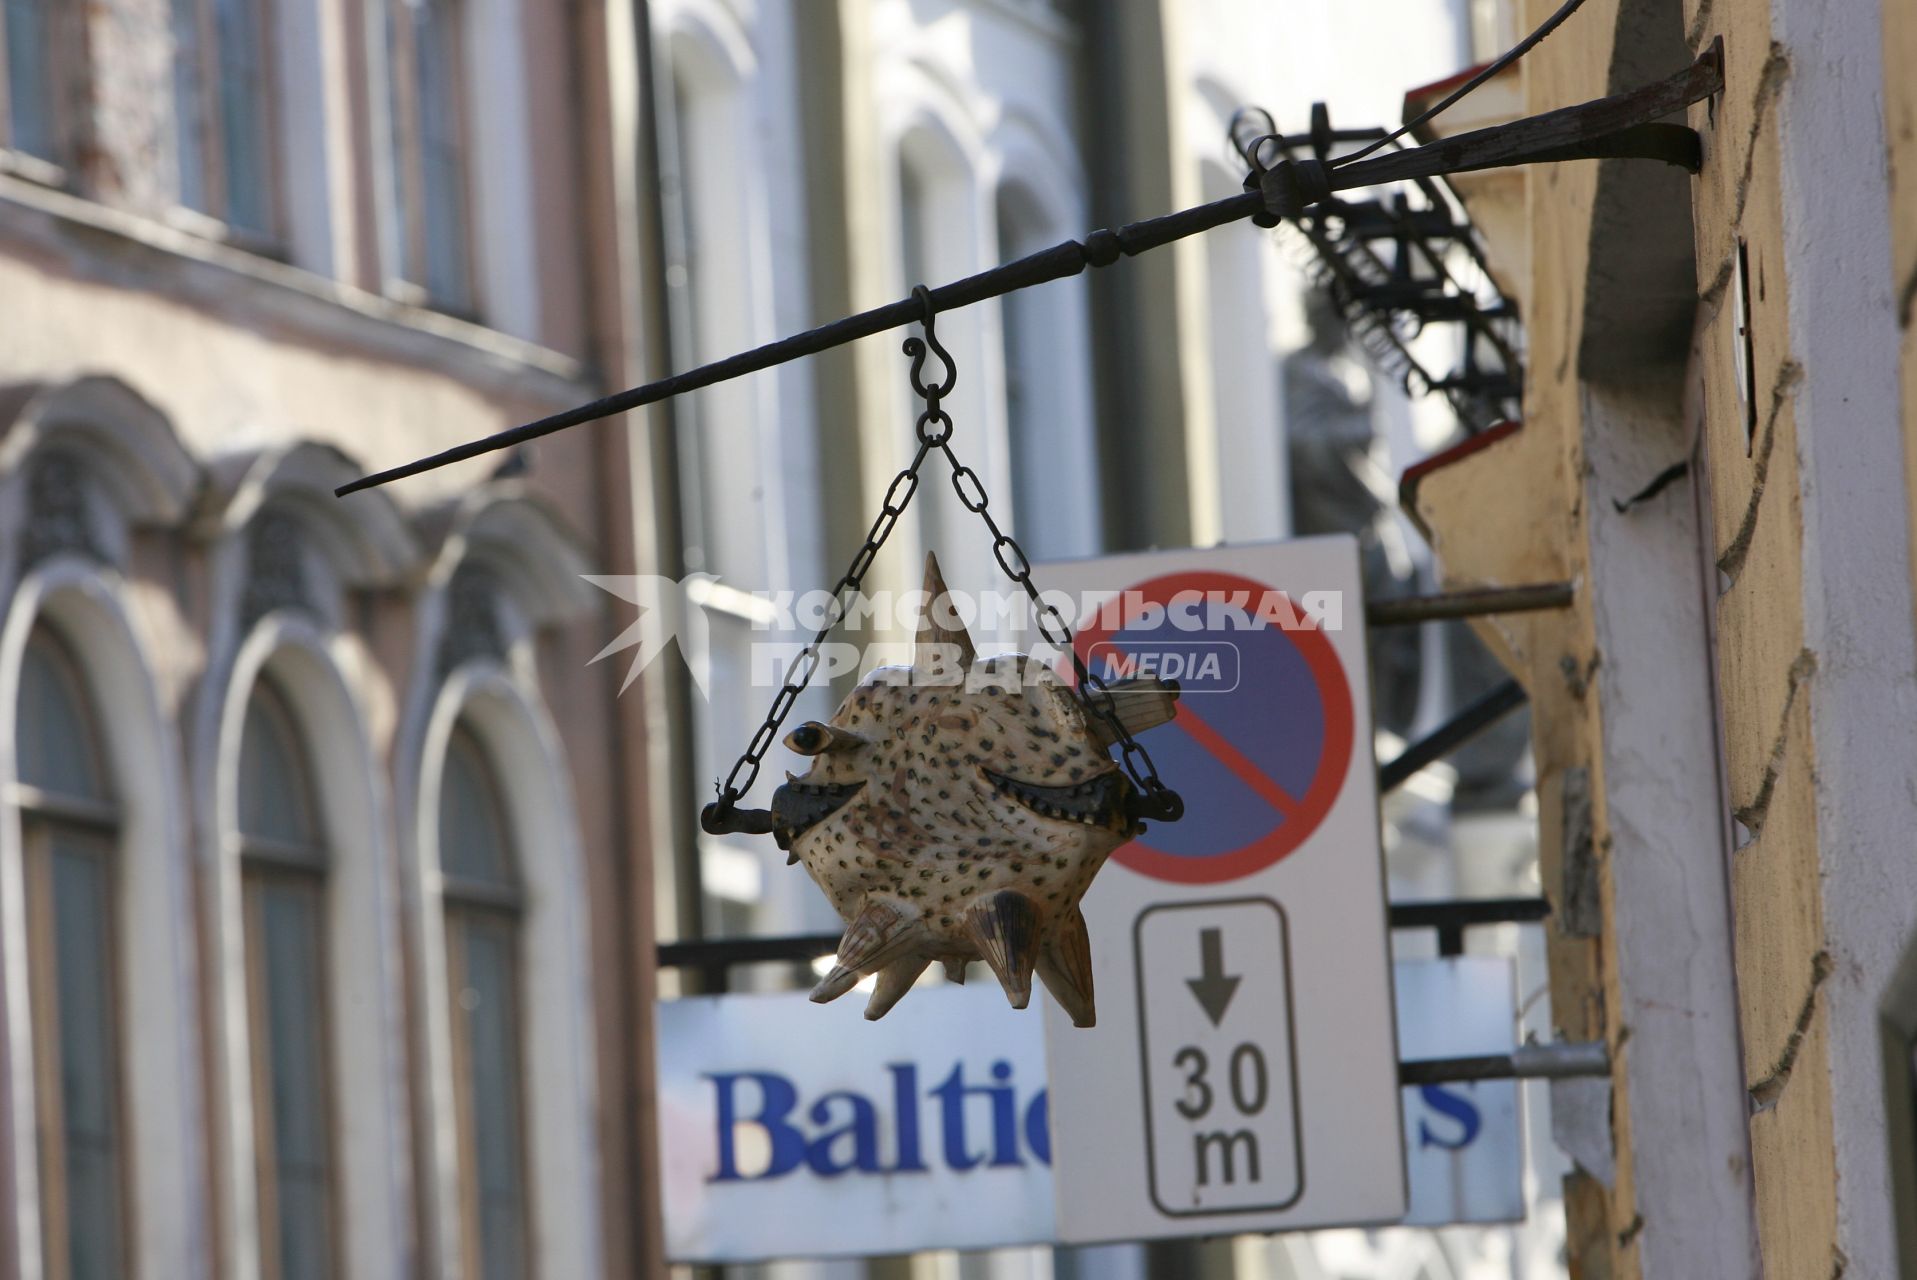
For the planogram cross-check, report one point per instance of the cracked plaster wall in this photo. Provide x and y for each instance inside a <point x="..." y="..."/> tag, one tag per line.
<point x="1817" y="879"/>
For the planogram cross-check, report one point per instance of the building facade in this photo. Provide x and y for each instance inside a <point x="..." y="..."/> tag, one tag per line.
<point x="319" y="882"/>
<point x="1716" y="447"/>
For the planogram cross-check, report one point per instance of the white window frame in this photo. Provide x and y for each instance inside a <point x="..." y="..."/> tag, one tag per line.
<point x="327" y="673"/>
<point x="539" y="571"/>
<point x="502" y="227"/>
<point x="309" y="663"/>
<point x="735" y="280"/>
<point x="264" y="862"/>
<point x="1036" y="167"/>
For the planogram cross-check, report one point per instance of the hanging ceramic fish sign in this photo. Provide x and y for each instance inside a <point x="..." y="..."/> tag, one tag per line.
<point x="956" y="810"/>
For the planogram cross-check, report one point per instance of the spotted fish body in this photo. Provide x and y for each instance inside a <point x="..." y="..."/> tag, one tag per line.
<point x="957" y="810"/>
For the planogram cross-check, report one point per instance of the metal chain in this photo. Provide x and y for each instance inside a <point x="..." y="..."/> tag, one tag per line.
<point x="1156" y="800"/>
<point x="898" y="496"/>
<point x="934" y="428"/>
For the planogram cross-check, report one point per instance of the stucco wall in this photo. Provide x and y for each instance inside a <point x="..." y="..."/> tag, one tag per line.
<point x="1587" y="706"/>
<point x="1762" y="663"/>
<point x="1805" y="597"/>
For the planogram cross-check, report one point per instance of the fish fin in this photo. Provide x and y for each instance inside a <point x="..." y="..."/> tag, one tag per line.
<point x="936" y="645"/>
<point x="1141" y="703"/>
<point x="835" y="984"/>
<point x="894" y="981"/>
<point x="1005" y="928"/>
<point x="879" y="934"/>
<point x="1065" y="967"/>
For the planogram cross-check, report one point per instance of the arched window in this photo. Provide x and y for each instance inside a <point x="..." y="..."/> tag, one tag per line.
<point x="736" y="448"/>
<point x="714" y="312"/>
<point x="71" y="826"/>
<point x="483" y="903"/>
<point x="283" y="877"/>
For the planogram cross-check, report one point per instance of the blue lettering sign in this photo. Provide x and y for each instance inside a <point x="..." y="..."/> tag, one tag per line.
<point x="905" y="1107"/>
<point x="951" y="1095"/>
<point x="1455" y="1107"/>
<point x="841" y="1133"/>
<point x="862" y="1129"/>
<point x="1038" y="1126"/>
<point x="777" y="1097"/>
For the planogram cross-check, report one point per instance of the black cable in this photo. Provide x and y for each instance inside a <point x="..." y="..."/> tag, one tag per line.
<point x="1516" y="51"/>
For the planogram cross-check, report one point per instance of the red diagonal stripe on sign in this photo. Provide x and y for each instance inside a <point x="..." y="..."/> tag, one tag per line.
<point x="1219" y="747"/>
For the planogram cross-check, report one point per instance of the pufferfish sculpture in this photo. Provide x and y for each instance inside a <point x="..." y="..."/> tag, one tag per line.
<point x="957" y="810"/>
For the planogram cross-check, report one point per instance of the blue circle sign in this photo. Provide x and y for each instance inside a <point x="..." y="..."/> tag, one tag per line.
<point x="1262" y="741"/>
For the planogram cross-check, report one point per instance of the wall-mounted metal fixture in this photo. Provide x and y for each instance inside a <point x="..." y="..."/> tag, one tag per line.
<point x="1620" y="126"/>
<point x="1397" y="263"/>
<point x="1476" y="603"/>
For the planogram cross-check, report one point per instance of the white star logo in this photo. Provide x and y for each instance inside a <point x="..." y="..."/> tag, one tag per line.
<point x="668" y="611"/>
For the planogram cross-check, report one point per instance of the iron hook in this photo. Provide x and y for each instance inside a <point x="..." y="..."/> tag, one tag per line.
<point x="1239" y="135"/>
<point x="916" y="348"/>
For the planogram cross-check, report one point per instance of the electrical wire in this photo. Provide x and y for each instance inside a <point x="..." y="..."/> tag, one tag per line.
<point x="1516" y="51"/>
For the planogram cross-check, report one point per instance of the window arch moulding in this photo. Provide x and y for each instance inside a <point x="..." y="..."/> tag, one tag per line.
<point x="82" y="464"/>
<point x="534" y="561"/>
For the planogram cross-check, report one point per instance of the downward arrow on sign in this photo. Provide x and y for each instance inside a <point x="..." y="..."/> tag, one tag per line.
<point x="1212" y="987"/>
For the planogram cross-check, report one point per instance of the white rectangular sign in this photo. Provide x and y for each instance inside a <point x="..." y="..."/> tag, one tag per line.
<point x="1463" y="1142"/>
<point x="1198" y="1165"/>
<point x="1243" y="1072"/>
<point x="790" y="1129"/>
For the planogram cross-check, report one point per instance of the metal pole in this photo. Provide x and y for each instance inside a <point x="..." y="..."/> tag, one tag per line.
<point x="703" y="953"/>
<point x="1408" y="610"/>
<point x="1101" y="248"/>
<point x="1452" y="734"/>
<point x="1565" y="1060"/>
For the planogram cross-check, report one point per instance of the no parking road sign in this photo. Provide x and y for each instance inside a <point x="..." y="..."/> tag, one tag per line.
<point x="1243" y="1073"/>
<point x="1249" y="658"/>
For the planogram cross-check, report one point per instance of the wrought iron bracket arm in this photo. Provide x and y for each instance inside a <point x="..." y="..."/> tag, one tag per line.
<point x="1624" y="126"/>
<point x="1099" y="249"/>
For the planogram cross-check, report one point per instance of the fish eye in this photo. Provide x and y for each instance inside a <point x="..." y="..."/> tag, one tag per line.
<point x="813" y="738"/>
<point x="809" y="739"/>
